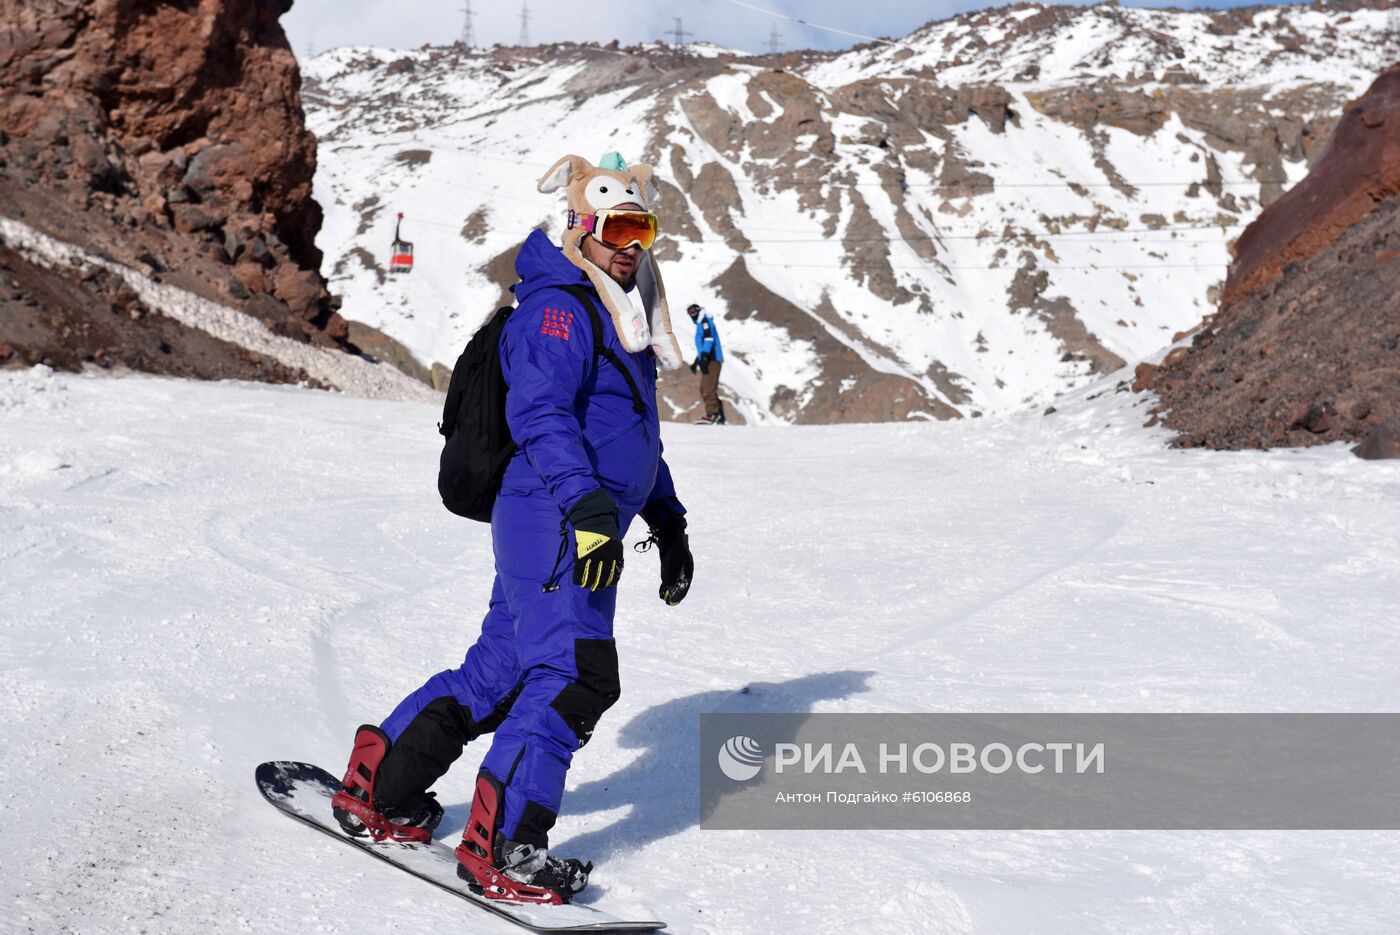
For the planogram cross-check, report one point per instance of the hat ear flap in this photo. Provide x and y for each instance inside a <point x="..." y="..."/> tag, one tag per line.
<point x="563" y="172"/>
<point x="643" y="175"/>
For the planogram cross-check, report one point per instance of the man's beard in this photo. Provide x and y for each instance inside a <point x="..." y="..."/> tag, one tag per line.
<point x="626" y="281"/>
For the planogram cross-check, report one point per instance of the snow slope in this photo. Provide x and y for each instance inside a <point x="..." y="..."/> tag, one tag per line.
<point x="197" y="577"/>
<point x="1262" y="44"/>
<point x="895" y="202"/>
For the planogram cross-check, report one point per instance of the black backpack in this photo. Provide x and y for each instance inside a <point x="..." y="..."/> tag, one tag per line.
<point x="477" y="444"/>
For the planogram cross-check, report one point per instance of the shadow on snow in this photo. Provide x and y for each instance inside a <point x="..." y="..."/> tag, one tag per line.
<point x="662" y="785"/>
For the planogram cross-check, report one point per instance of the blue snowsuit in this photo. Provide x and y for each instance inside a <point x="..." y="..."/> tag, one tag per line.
<point x="707" y="338"/>
<point x="545" y="666"/>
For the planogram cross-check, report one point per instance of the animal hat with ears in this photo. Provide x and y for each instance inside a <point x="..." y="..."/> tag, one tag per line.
<point x="590" y="189"/>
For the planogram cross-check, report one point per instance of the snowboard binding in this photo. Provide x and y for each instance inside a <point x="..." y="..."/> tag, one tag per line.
<point x="356" y="809"/>
<point x="507" y="870"/>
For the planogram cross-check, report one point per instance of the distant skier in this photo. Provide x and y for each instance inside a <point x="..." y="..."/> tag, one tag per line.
<point x="709" y="358"/>
<point x="545" y="667"/>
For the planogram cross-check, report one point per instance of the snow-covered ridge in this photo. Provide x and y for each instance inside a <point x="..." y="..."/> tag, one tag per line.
<point x="930" y="229"/>
<point x="1272" y="46"/>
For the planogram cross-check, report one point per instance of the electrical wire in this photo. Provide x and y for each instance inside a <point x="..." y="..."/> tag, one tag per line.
<point x="937" y="268"/>
<point x="941" y="186"/>
<point x="803" y="22"/>
<point x="1015" y="238"/>
<point x="932" y="266"/>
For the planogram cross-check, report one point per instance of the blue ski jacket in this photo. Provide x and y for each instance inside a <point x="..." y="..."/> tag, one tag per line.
<point x="569" y="409"/>
<point x="707" y="338"/>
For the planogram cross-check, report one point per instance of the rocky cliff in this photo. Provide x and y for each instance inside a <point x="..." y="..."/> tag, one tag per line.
<point x="1305" y="348"/>
<point x="168" y="138"/>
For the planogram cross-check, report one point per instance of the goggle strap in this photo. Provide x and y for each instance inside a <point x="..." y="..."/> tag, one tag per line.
<point x="586" y="221"/>
<point x="589" y="222"/>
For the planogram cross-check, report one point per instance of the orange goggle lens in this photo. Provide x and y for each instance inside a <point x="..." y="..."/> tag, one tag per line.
<point x="618" y="229"/>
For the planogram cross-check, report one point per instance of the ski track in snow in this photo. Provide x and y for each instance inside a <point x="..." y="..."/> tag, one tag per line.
<point x="199" y="577"/>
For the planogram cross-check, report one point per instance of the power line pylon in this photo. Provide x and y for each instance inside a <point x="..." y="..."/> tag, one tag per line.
<point x="524" y="24"/>
<point x="678" y="35"/>
<point x="774" y="39"/>
<point x="468" y="33"/>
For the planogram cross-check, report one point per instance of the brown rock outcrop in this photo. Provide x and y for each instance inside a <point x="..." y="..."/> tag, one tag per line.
<point x="1305" y="348"/>
<point x="1091" y="105"/>
<point x="169" y="137"/>
<point x="1359" y="168"/>
<point x="376" y="344"/>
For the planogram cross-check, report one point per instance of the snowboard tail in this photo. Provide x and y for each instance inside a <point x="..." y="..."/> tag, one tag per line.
<point x="303" y="792"/>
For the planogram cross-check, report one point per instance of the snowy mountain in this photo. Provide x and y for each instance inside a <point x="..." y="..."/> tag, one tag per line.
<point x="186" y="596"/>
<point x="970" y="220"/>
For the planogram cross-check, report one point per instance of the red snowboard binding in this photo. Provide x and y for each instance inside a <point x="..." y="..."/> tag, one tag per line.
<point x="354" y="806"/>
<point x="508" y="870"/>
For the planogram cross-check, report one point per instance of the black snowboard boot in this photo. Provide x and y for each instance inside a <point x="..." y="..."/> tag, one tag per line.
<point x="535" y="866"/>
<point x="360" y="812"/>
<point x="509" y="870"/>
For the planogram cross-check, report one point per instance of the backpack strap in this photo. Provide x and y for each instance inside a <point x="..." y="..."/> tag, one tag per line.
<point x="601" y="348"/>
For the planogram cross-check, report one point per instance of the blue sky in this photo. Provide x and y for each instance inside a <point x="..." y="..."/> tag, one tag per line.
<point x="322" y="24"/>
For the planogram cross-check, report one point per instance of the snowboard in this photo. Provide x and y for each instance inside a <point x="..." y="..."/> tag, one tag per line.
<point x="303" y="792"/>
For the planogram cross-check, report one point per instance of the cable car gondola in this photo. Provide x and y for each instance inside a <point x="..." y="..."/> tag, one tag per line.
<point x="401" y="253"/>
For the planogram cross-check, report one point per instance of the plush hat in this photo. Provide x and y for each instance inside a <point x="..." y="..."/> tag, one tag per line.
<point x="591" y="188"/>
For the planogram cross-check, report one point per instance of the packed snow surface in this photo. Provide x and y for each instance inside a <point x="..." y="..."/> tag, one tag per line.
<point x="195" y="578"/>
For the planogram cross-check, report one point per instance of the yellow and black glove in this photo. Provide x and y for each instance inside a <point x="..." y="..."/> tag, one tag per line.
<point x="597" y="541"/>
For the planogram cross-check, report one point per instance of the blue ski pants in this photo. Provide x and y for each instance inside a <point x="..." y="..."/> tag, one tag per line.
<point x="542" y="672"/>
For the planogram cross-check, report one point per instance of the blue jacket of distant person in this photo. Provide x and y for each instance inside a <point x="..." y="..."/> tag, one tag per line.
<point x="707" y="338"/>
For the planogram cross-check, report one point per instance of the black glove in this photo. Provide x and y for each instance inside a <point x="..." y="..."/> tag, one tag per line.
<point x="704" y="362"/>
<point x="695" y="366"/>
<point x="677" y="564"/>
<point x="597" y="541"/>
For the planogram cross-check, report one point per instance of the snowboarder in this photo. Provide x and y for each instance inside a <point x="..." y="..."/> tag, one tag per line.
<point x="589" y="459"/>
<point x="709" y="357"/>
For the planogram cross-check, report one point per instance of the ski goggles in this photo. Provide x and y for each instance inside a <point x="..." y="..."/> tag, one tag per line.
<point x="618" y="228"/>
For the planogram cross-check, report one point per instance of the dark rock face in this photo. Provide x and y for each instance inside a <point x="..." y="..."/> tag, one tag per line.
<point x="170" y="137"/>
<point x="1305" y="348"/>
<point x="1359" y="169"/>
<point x="376" y="344"/>
<point x="1383" y="442"/>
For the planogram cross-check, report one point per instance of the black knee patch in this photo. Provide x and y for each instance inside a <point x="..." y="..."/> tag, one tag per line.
<point x="534" y="824"/>
<point x="583" y="701"/>
<point x="428" y="746"/>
